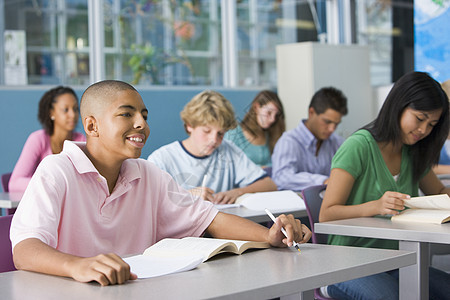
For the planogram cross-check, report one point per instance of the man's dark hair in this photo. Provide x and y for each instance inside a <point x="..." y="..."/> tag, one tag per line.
<point x="329" y="98"/>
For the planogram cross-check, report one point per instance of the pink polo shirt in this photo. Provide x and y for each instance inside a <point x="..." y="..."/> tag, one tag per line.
<point x="67" y="205"/>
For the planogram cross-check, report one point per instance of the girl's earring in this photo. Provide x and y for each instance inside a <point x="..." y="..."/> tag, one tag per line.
<point x="52" y="118"/>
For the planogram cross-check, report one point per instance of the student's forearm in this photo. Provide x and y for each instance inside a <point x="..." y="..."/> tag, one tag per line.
<point x="227" y="226"/>
<point x="441" y="169"/>
<point x="445" y="190"/>
<point x="431" y="185"/>
<point x="339" y="212"/>
<point x="34" y="255"/>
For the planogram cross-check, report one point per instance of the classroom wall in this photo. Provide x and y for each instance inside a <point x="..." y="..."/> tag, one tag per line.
<point x="19" y="108"/>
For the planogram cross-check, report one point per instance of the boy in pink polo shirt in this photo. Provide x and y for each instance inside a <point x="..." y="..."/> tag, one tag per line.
<point x="95" y="201"/>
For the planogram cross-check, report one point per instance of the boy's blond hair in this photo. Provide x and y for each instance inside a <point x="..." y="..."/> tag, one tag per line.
<point x="209" y="107"/>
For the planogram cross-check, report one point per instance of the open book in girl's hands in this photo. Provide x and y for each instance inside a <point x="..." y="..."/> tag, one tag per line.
<point x="427" y="209"/>
<point x="176" y="255"/>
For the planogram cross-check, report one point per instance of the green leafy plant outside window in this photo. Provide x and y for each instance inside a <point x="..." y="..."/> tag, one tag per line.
<point x="149" y="61"/>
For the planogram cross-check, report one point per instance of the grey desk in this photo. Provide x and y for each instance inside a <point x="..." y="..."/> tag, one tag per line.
<point x="260" y="216"/>
<point x="411" y="236"/>
<point x="445" y="179"/>
<point x="260" y="274"/>
<point x="10" y="200"/>
<point x="443" y="176"/>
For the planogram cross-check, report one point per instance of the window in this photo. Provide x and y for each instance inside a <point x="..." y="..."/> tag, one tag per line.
<point x="192" y="42"/>
<point x="163" y="42"/>
<point x="386" y="28"/>
<point x="57" y="49"/>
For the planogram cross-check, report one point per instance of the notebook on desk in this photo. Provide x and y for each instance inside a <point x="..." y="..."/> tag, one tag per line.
<point x="276" y="201"/>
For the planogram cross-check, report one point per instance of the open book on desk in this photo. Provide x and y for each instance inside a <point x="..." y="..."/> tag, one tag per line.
<point x="427" y="209"/>
<point x="176" y="255"/>
<point x="276" y="201"/>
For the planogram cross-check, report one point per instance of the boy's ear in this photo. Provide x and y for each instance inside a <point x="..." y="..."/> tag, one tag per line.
<point x="189" y="128"/>
<point x="90" y="126"/>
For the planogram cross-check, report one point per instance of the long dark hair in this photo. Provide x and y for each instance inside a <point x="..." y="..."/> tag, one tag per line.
<point x="416" y="90"/>
<point x="46" y="105"/>
<point x="250" y="124"/>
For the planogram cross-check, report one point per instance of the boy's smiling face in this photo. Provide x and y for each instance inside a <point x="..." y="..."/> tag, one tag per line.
<point x="122" y="126"/>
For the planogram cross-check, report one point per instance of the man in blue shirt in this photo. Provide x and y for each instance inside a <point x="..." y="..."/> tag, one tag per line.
<point x="302" y="156"/>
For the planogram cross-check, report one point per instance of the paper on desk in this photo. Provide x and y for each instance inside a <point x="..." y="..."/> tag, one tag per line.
<point x="148" y="266"/>
<point x="273" y="201"/>
<point x="225" y="206"/>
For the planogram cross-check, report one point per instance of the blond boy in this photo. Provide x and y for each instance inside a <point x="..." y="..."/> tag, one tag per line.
<point x="95" y="202"/>
<point x="206" y="162"/>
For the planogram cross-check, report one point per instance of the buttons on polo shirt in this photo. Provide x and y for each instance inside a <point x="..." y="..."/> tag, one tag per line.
<point x="99" y="179"/>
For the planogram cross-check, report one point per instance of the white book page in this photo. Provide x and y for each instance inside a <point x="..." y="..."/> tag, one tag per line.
<point x="189" y="245"/>
<point x="429" y="202"/>
<point x="225" y="206"/>
<point x="274" y="201"/>
<point x="150" y="266"/>
<point x="422" y="216"/>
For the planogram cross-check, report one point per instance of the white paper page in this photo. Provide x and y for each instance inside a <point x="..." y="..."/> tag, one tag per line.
<point x="188" y="245"/>
<point x="225" y="206"/>
<point x="424" y="216"/>
<point x="430" y="202"/>
<point x="274" y="201"/>
<point x="149" y="266"/>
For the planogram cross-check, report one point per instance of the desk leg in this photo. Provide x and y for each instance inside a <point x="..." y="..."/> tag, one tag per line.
<point x="413" y="281"/>
<point x="305" y="295"/>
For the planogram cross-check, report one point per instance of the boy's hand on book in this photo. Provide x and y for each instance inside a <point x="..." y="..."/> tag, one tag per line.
<point x="391" y="203"/>
<point x="227" y="197"/>
<point x="294" y="229"/>
<point x="106" y="269"/>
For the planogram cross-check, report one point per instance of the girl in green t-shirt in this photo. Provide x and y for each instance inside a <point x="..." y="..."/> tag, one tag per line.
<point x="381" y="165"/>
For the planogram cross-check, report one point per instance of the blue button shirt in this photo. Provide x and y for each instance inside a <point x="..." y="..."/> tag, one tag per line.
<point x="295" y="165"/>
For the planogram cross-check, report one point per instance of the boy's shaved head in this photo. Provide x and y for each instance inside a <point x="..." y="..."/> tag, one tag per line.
<point x="99" y="95"/>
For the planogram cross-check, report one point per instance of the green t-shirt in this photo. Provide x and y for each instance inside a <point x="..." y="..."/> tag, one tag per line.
<point x="360" y="156"/>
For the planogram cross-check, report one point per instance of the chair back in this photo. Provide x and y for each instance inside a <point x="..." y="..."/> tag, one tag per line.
<point x="313" y="200"/>
<point x="6" y="260"/>
<point x="5" y="181"/>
